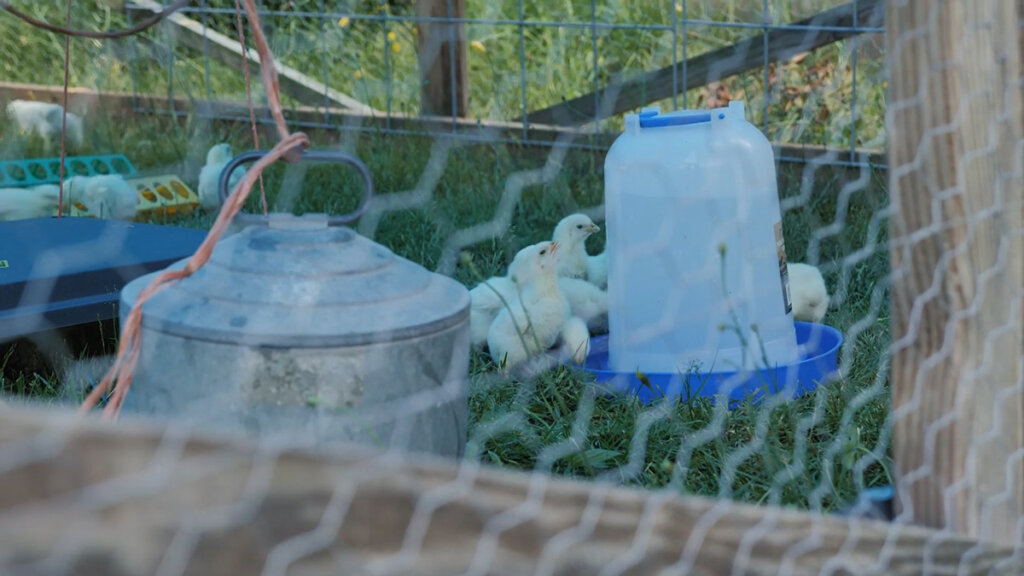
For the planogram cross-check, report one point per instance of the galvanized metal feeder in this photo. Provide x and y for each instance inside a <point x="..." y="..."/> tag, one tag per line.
<point x="300" y="329"/>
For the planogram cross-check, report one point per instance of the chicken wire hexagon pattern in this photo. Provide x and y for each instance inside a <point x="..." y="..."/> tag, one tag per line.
<point x="899" y="172"/>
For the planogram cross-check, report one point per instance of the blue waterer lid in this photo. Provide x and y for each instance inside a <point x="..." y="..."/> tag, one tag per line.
<point x="819" y="346"/>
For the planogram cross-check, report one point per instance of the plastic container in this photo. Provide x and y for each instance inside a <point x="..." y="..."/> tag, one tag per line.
<point x="818" y="345"/>
<point x="299" y="329"/>
<point x="680" y="187"/>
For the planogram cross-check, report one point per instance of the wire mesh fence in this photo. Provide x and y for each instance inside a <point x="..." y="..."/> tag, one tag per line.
<point x="283" y="378"/>
<point x="812" y="72"/>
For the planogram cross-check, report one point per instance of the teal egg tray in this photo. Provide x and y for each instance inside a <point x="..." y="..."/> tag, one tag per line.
<point x="36" y="171"/>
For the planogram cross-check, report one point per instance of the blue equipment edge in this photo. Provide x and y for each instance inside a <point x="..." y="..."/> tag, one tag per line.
<point x="62" y="272"/>
<point x="874" y="503"/>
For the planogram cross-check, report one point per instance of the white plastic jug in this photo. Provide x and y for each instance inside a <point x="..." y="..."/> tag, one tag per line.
<point x="679" y="187"/>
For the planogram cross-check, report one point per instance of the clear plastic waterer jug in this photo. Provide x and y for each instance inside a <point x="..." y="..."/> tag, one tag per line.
<point x="696" y="262"/>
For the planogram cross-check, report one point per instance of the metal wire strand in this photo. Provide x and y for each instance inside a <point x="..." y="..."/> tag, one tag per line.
<point x="109" y="34"/>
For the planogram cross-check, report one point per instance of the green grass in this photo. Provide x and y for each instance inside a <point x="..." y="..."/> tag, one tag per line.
<point x="816" y="452"/>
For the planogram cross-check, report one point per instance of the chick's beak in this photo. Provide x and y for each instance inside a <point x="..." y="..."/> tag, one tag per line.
<point x="593" y="228"/>
<point x="554" y="247"/>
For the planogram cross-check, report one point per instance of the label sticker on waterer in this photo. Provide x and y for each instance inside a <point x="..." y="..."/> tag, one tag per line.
<point x="780" y="252"/>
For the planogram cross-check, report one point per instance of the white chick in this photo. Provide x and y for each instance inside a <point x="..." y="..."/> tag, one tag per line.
<point x="209" y="177"/>
<point x="485" y="304"/>
<point x="597" y="270"/>
<point x="807" y="292"/>
<point x="44" y="118"/>
<point x="576" y="339"/>
<point x="587" y="302"/>
<point x="107" y="196"/>
<point x="571" y="233"/>
<point x="533" y="322"/>
<point x="21" y="203"/>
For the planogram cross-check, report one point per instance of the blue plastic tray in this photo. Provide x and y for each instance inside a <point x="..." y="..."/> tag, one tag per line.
<point x="36" y="171"/>
<point x="820" y="345"/>
<point x="60" y="272"/>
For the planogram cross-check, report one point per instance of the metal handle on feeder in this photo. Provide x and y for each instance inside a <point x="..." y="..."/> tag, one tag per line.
<point x="315" y="155"/>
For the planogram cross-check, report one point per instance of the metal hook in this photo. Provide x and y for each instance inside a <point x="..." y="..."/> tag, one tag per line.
<point x="316" y="156"/>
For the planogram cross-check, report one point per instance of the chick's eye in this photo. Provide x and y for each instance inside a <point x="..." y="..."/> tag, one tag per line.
<point x="543" y="252"/>
<point x="579" y="226"/>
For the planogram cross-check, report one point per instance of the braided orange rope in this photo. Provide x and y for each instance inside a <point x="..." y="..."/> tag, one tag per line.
<point x="248" y="95"/>
<point x="288" y="148"/>
<point x="268" y="70"/>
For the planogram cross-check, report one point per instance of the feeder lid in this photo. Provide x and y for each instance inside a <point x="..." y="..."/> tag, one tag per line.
<point x="297" y="282"/>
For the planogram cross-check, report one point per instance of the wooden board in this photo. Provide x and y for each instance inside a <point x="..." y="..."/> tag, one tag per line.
<point x="957" y="255"/>
<point x="226" y="50"/>
<point x="123" y="105"/>
<point x="124" y="499"/>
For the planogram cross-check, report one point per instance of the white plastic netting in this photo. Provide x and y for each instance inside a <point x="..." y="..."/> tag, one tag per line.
<point x="604" y="483"/>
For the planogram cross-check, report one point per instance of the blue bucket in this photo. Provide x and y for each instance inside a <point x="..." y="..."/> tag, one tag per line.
<point x="819" y="347"/>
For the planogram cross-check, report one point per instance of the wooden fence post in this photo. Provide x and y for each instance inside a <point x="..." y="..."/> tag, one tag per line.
<point x="957" y="255"/>
<point x="442" y="59"/>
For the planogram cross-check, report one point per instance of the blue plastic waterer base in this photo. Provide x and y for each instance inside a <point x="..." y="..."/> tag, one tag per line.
<point x="819" y="346"/>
